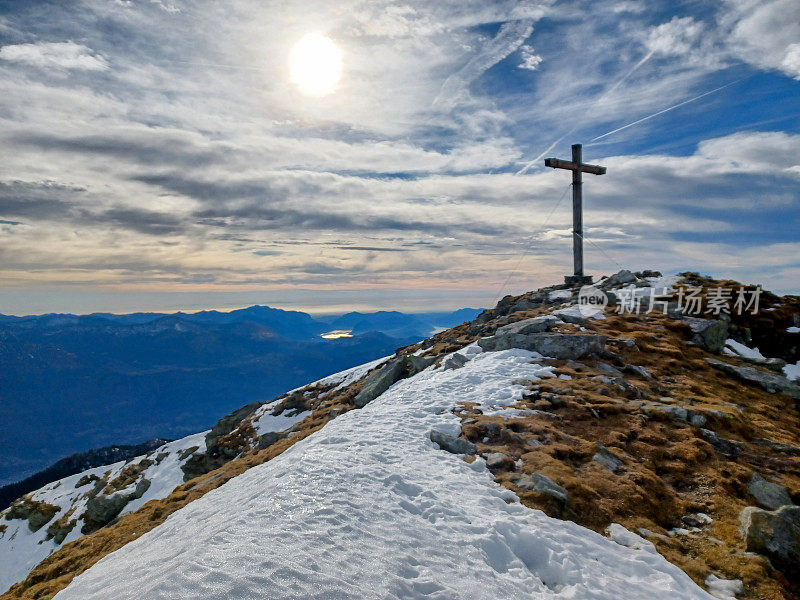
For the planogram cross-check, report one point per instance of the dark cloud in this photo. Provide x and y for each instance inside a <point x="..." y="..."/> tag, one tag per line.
<point x="48" y="201"/>
<point x="371" y="248"/>
<point x="144" y="147"/>
<point x="135" y="219"/>
<point x="36" y="200"/>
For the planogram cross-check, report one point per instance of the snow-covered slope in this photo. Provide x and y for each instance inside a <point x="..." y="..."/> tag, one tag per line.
<point x="39" y="523"/>
<point x="370" y="507"/>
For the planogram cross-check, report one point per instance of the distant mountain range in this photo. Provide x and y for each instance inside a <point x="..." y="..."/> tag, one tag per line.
<point x="70" y="383"/>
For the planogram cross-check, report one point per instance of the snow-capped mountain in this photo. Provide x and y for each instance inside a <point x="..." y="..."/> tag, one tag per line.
<point x="542" y="450"/>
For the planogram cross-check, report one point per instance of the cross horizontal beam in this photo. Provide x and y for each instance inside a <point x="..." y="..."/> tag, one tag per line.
<point x="557" y="163"/>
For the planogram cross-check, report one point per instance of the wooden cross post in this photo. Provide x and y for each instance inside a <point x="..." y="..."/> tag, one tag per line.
<point x="578" y="169"/>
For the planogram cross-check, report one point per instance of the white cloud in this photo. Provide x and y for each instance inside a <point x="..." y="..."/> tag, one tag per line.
<point x="60" y="55"/>
<point x="764" y="33"/>
<point x="530" y="60"/>
<point x="791" y="62"/>
<point x="677" y="37"/>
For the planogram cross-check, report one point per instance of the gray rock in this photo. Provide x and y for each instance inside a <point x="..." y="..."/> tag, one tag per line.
<point x="496" y="460"/>
<point x="537" y="482"/>
<point x="228" y="423"/>
<point x="726" y="447"/>
<point x="454" y="361"/>
<point x="607" y="368"/>
<point x="637" y="370"/>
<point x="676" y="413"/>
<point x="768" y="495"/>
<point x="777" y="446"/>
<point x="526" y="326"/>
<point x="574" y="364"/>
<point x="624" y="342"/>
<point x="773" y="364"/>
<point x="568" y="317"/>
<point x="269" y="438"/>
<point x="58" y="532"/>
<point x="775" y="534"/>
<point x="393" y="371"/>
<point x="709" y="334"/>
<point x="771" y="382"/>
<point x="608" y="460"/>
<point x="554" y="345"/>
<point x="452" y="444"/>
<point x="624" y="277"/>
<point x="102" y="509"/>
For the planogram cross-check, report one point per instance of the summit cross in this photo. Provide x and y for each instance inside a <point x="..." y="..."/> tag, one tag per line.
<point x="578" y="168"/>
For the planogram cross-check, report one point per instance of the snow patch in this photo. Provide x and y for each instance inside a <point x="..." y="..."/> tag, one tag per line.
<point x="792" y="372"/>
<point x="734" y="348"/>
<point x="724" y="589"/>
<point x="264" y="422"/>
<point x="629" y="539"/>
<point x="369" y="507"/>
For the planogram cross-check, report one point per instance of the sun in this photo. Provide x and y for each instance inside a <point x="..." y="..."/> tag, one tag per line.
<point x="315" y="64"/>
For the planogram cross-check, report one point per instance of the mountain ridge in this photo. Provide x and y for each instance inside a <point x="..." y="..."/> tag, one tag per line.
<point x="613" y="376"/>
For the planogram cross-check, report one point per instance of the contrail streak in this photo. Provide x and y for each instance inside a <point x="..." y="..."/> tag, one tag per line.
<point x="661" y="112"/>
<point x="597" y="101"/>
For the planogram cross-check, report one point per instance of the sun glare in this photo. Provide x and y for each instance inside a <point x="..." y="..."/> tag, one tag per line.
<point x="315" y="64"/>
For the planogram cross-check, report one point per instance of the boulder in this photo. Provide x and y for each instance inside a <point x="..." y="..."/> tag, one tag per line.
<point x="571" y="316"/>
<point x="526" y="326"/>
<point x="709" y="334"/>
<point x="554" y="345"/>
<point x="453" y="444"/>
<point x="768" y="495"/>
<point x="497" y="460"/>
<point x="269" y="438"/>
<point x="607" y="368"/>
<point x="454" y="361"/>
<point x="771" y="382"/>
<point x="624" y="277"/>
<point x="102" y="509"/>
<point x="775" y="534"/>
<point x="390" y="373"/>
<point x="637" y="370"/>
<point x="608" y="460"/>
<point x="536" y="482"/>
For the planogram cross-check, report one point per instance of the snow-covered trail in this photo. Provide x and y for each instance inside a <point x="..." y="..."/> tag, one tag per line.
<point x="369" y="507"/>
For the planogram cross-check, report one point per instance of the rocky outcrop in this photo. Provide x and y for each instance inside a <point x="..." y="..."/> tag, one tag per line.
<point x="728" y="448"/>
<point x="775" y="534"/>
<point x="554" y="345"/>
<point x="104" y="508"/>
<point x="709" y="334"/>
<point x="37" y="513"/>
<point x="768" y="495"/>
<point x="389" y="374"/>
<point x="228" y="423"/>
<point x="624" y="277"/>
<point x="527" y="326"/>
<point x="771" y="382"/>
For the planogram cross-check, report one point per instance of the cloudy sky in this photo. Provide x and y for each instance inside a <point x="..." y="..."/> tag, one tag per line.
<point x="156" y="154"/>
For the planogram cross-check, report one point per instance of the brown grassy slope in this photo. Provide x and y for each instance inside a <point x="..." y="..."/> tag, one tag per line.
<point x="669" y="470"/>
